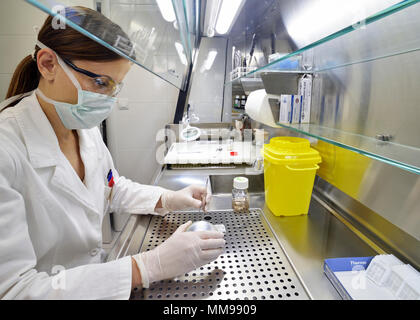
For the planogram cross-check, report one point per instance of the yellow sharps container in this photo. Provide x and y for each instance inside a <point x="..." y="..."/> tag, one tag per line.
<point x="290" y="166"/>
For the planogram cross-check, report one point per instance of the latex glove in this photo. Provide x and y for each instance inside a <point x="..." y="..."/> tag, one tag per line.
<point x="194" y="196"/>
<point x="182" y="252"/>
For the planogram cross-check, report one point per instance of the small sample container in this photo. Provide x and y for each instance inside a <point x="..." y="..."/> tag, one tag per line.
<point x="240" y="196"/>
<point x="237" y="102"/>
<point x="243" y="102"/>
<point x="206" y="226"/>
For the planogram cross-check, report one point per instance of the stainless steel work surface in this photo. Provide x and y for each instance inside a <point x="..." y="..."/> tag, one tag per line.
<point x="307" y="240"/>
<point x="253" y="265"/>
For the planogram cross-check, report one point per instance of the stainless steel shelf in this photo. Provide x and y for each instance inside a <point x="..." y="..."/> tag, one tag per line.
<point x="349" y="45"/>
<point x="401" y="156"/>
<point x="247" y="85"/>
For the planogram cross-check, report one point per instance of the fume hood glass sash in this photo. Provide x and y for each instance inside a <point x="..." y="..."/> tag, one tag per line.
<point x="154" y="37"/>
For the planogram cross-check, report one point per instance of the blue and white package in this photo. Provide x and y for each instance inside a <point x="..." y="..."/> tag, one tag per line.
<point x="285" y="108"/>
<point x="290" y="109"/>
<point x="350" y="278"/>
<point x="331" y="266"/>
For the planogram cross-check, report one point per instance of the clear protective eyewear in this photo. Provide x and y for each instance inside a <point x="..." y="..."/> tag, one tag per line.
<point x="99" y="83"/>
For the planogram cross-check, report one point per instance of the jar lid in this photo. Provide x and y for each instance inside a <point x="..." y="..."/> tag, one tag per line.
<point x="290" y="150"/>
<point x="240" y="183"/>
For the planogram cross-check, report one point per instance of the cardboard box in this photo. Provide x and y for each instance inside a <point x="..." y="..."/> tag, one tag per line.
<point x="290" y="109"/>
<point x="305" y="89"/>
<point x="296" y="109"/>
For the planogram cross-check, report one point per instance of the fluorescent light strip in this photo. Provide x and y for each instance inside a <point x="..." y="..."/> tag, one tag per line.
<point x="213" y="17"/>
<point x="327" y="16"/>
<point x="227" y="14"/>
<point x="167" y="10"/>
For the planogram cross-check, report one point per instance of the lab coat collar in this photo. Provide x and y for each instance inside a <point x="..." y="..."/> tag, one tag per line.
<point x="38" y="134"/>
<point x="90" y="146"/>
<point x="40" y="139"/>
<point x="44" y="150"/>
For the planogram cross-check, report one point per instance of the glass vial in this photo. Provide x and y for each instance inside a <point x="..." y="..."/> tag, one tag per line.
<point x="237" y="103"/>
<point x="243" y="102"/>
<point x="240" y="196"/>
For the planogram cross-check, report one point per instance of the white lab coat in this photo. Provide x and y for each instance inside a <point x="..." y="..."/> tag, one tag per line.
<point x="50" y="220"/>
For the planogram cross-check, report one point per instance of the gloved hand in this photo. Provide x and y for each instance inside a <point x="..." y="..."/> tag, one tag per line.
<point x="182" y="252"/>
<point x="194" y="196"/>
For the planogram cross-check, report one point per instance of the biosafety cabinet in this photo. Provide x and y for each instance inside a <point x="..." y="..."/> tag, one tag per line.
<point x="362" y="59"/>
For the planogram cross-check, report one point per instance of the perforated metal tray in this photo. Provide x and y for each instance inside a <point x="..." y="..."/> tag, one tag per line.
<point x="253" y="265"/>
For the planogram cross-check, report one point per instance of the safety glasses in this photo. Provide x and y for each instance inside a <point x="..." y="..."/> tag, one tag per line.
<point x="99" y="83"/>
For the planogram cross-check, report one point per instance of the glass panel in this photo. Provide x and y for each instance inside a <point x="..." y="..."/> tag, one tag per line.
<point x="357" y="43"/>
<point x="190" y="7"/>
<point x="182" y="24"/>
<point x="370" y="40"/>
<point x="390" y="32"/>
<point x="404" y="157"/>
<point x="156" y="33"/>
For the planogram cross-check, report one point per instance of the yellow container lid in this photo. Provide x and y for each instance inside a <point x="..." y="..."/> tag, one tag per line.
<point x="286" y="150"/>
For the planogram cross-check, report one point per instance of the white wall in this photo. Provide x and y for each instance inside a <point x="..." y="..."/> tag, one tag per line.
<point x="132" y="132"/>
<point x="17" y="36"/>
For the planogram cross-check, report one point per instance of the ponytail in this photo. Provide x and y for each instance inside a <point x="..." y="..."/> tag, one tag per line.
<point x="26" y="77"/>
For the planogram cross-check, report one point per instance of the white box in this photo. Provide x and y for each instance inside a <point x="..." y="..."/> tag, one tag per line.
<point x="285" y="108"/>
<point x="296" y="109"/>
<point x="290" y="108"/>
<point x="305" y="89"/>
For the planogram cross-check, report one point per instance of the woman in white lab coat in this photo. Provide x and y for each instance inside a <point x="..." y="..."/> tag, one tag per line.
<point x="57" y="178"/>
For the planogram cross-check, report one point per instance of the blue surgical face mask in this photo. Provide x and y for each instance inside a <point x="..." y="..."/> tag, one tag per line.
<point x="91" y="108"/>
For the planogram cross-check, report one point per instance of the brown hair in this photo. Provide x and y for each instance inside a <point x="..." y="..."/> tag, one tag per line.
<point x="70" y="44"/>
